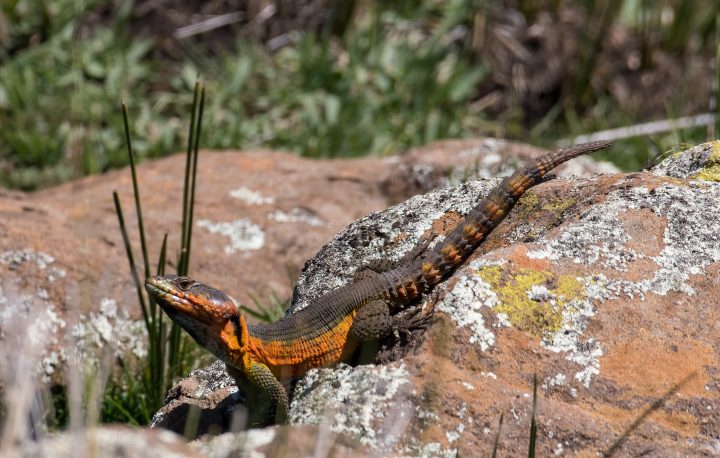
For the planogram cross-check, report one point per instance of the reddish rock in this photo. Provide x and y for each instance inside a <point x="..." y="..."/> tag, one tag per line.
<point x="603" y="287"/>
<point x="259" y="216"/>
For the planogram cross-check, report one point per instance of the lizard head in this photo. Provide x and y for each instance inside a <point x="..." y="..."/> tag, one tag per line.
<point x="201" y="310"/>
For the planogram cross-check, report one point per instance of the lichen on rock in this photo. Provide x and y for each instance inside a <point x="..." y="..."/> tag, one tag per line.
<point x="609" y="303"/>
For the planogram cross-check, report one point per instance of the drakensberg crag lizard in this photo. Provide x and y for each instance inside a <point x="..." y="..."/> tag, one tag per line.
<point x="332" y="327"/>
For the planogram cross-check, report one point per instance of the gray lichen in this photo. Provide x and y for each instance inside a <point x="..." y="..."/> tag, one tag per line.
<point x="377" y="415"/>
<point x="381" y="236"/>
<point x="687" y="164"/>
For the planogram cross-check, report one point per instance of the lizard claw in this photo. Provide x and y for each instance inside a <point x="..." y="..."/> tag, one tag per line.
<point x="412" y="319"/>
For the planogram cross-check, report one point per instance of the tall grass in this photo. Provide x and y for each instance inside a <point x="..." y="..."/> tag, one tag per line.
<point x="168" y="355"/>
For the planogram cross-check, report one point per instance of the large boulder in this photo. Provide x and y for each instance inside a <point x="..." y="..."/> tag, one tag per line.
<point x="604" y="288"/>
<point x="259" y="215"/>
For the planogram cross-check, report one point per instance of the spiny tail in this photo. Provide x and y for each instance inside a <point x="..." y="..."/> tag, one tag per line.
<point x="482" y="219"/>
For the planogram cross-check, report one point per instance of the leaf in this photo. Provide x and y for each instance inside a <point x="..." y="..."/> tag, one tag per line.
<point x="463" y="86"/>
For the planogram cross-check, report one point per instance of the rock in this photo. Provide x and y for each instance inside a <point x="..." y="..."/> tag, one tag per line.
<point x="110" y="441"/>
<point x="448" y="163"/>
<point x="203" y="403"/>
<point x="294" y="440"/>
<point x="603" y="287"/>
<point x="120" y="441"/>
<point x="259" y="215"/>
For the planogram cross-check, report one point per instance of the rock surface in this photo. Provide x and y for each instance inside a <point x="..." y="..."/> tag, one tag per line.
<point x="109" y="441"/>
<point x="259" y="216"/>
<point x="118" y="441"/>
<point x="604" y="287"/>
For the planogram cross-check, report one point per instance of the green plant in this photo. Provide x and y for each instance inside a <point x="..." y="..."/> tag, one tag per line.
<point x="168" y="354"/>
<point x="396" y="75"/>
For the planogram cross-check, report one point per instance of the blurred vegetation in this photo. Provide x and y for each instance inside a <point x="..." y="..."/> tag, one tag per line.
<point x="371" y="78"/>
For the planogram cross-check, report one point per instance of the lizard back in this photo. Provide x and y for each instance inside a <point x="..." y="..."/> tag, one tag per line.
<point x="318" y="335"/>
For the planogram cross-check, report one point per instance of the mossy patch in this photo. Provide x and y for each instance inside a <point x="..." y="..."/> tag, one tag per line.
<point x="559" y="205"/>
<point x="527" y="202"/>
<point x="533" y="300"/>
<point x="711" y="172"/>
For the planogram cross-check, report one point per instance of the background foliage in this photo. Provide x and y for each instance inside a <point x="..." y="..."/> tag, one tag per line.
<point x="338" y="79"/>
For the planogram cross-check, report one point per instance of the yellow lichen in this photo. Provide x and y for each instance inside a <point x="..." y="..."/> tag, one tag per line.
<point x="527" y="202"/>
<point x="711" y="172"/>
<point x="537" y="317"/>
<point x="559" y="205"/>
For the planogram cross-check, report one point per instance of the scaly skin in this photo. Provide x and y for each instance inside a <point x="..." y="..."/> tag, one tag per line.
<point x="330" y="329"/>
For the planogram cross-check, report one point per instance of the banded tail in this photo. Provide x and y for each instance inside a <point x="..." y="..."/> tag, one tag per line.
<point x="482" y="219"/>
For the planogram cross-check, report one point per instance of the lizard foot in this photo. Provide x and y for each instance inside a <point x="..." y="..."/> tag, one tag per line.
<point x="412" y="319"/>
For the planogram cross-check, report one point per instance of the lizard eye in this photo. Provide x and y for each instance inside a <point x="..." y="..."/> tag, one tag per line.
<point x="185" y="284"/>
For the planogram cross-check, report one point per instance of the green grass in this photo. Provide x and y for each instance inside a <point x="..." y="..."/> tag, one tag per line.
<point x="170" y="352"/>
<point x="138" y="390"/>
<point x="391" y="79"/>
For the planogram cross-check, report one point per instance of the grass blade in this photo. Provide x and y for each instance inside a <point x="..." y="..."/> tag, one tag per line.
<point x="533" y="422"/>
<point x="175" y="349"/>
<point x="715" y="133"/>
<point x="496" y="441"/>
<point x="163" y="254"/>
<point x="196" y="149"/>
<point x="159" y="356"/>
<point x="136" y="191"/>
<point x="131" y="260"/>
<point x="182" y="267"/>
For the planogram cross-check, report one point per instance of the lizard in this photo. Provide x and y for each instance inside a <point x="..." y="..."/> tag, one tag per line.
<point x="332" y="327"/>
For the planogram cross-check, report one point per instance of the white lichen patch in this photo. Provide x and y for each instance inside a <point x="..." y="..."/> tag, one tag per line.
<point x="110" y="328"/>
<point x="538" y="293"/>
<point x="427" y="450"/>
<point x="558" y="379"/>
<point x="245" y="443"/>
<point x="296" y="215"/>
<point x="452" y="436"/>
<point x="598" y="238"/>
<point x="31" y="324"/>
<point x="251" y="197"/>
<point x="323" y="395"/>
<point x="464" y="302"/>
<point x="691" y="238"/>
<point x="467" y="385"/>
<point x="43" y="261"/>
<point x="569" y="338"/>
<point x="30" y="328"/>
<point x="243" y="234"/>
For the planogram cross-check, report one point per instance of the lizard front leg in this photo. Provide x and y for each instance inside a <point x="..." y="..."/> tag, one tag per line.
<point x="374" y="321"/>
<point x="259" y="376"/>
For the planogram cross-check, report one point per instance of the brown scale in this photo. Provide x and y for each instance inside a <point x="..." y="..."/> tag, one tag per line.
<point x="408" y="289"/>
<point x="482" y="219"/>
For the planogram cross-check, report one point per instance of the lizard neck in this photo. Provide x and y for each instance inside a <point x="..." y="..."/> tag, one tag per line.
<point x="241" y="347"/>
